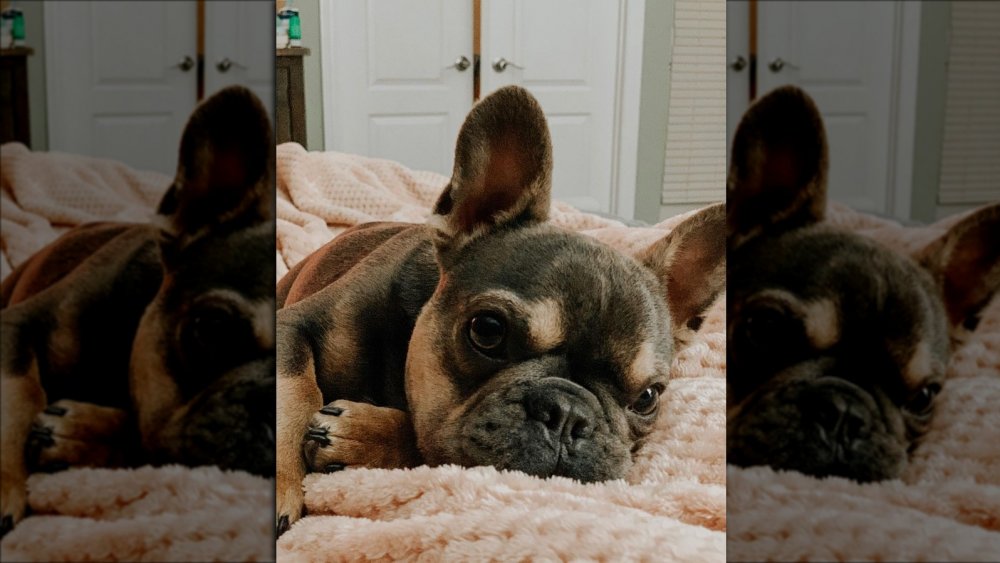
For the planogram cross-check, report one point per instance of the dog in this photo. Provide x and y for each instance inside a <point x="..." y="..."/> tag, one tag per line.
<point x="485" y="337"/>
<point x="152" y="343"/>
<point x="836" y="345"/>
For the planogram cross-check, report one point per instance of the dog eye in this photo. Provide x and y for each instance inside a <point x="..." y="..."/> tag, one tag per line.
<point x="487" y="332"/>
<point x="767" y="326"/>
<point x="647" y="402"/>
<point x="213" y="333"/>
<point x="921" y="402"/>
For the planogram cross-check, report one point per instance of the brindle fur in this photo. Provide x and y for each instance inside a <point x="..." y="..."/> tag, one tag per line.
<point x="374" y="325"/>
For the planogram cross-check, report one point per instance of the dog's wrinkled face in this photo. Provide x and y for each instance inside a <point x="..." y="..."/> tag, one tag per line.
<point x="837" y="346"/>
<point x="203" y="364"/>
<point x="542" y="350"/>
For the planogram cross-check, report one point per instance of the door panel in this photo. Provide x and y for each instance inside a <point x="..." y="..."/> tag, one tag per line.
<point x="568" y="54"/>
<point x="841" y="53"/>
<point x="113" y="79"/>
<point x="239" y="33"/>
<point x="393" y="90"/>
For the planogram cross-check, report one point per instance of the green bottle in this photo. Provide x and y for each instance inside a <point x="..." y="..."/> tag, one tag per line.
<point x="294" y="29"/>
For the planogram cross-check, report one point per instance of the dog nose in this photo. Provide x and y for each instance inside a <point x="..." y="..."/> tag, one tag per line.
<point x="841" y="419"/>
<point x="567" y="418"/>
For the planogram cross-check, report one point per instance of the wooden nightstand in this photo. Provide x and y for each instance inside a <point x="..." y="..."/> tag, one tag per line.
<point x="290" y="96"/>
<point x="14" y="125"/>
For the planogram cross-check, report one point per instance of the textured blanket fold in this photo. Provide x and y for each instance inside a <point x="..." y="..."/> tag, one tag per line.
<point x="670" y="507"/>
<point x="144" y="514"/>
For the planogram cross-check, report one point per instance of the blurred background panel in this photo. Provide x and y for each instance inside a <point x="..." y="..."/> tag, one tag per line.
<point x="119" y="79"/>
<point x="908" y="91"/>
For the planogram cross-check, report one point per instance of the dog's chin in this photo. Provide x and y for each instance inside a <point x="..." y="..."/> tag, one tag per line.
<point x="787" y="444"/>
<point x="230" y="424"/>
<point x="871" y="462"/>
<point x="482" y="440"/>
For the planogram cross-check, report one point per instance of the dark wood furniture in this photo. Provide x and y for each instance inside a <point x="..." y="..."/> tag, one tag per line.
<point x="290" y="96"/>
<point x="14" y="125"/>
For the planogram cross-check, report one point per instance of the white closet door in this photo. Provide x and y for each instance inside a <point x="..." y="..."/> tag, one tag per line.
<point x="566" y="53"/>
<point x="842" y="54"/>
<point x="390" y="85"/>
<point x="117" y="87"/>
<point x="239" y="48"/>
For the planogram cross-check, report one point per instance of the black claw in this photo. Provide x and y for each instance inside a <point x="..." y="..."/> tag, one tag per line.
<point x="54" y="467"/>
<point x="332" y="411"/>
<point x="41" y="436"/>
<point x="282" y="526"/>
<point x="318" y="435"/>
<point x="52" y="409"/>
<point x="333" y="467"/>
<point x="6" y="525"/>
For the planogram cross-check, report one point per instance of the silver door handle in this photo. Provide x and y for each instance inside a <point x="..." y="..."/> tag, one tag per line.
<point x="461" y="63"/>
<point x="501" y="64"/>
<point x="739" y="63"/>
<point x="186" y="64"/>
<point x="225" y="64"/>
<point x="778" y="63"/>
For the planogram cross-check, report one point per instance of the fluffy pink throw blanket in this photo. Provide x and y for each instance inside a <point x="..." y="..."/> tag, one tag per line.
<point x="671" y="507"/>
<point x="145" y="514"/>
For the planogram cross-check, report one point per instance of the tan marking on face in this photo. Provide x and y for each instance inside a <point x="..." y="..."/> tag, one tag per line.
<point x="922" y="365"/>
<point x="259" y="313"/>
<point x="544" y="317"/>
<point x="643" y="367"/>
<point x="155" y="395"/>
<point x="263" y="323"/>
<point x="545" y="323"/>
<point x="822" y="323"/>
<point x="429" y="391"/>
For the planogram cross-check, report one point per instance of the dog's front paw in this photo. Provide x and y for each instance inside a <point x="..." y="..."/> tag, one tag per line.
<point x="75" y="434"/>
<point x="13" y="501"/>
<point x="289" y="501"/>
<point x="345" y="434"/>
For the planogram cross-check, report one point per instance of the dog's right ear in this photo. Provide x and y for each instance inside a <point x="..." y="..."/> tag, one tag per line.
<point x="225" y="170"/>
<point x="778" y="167"/>
<point x="965" y="265"/>
<point x="502" y="174"/>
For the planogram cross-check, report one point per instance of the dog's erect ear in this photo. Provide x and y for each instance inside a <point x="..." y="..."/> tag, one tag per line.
<point x="965" y="264"/>
<point x="778" y="167"/>
<point x="224" y="171"/>
<point x="503" y="170"/>
<point x="690" y="263"/>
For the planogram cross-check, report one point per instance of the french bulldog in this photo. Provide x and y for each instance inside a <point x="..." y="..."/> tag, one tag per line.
<point x="836" y="345"/>
<point x="485" y="337"/>
<point x="152" y="343"/>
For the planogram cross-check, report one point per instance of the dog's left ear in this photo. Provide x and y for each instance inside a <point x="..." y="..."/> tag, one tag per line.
<point x="224" y="170"/>
<point x="502" y="175"/>
<point x="690" y="263"/>
<point x="965" y="264"/>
